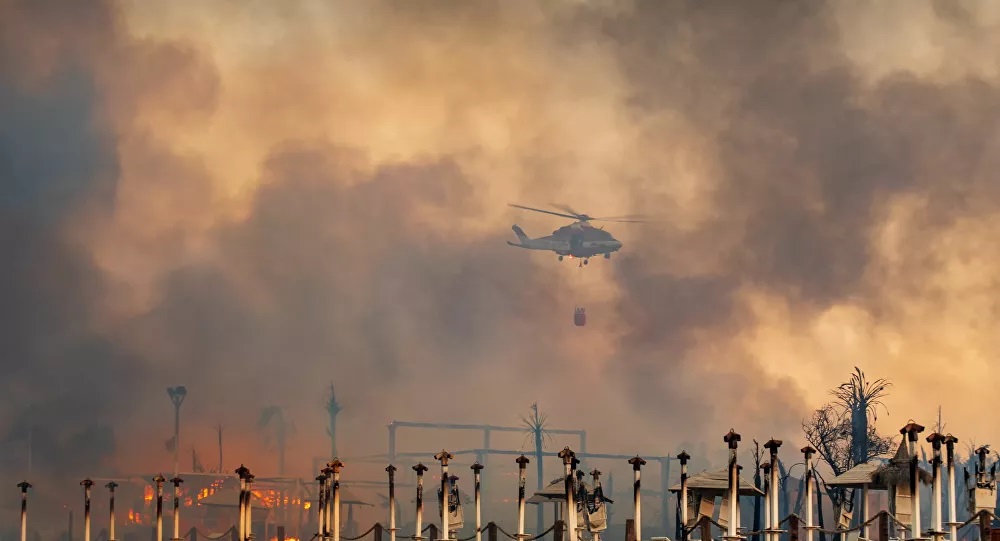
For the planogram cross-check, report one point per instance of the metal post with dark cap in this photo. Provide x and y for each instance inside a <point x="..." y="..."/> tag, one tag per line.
<point x="772" y="446"/>
<point x="935" y="440"/>
<point x="683" y="457"/>
<point x="335" y="465"/>
<point x="568" y="457"/>
<point x="321" y="506"/>
<point x="243" y="472"/>
<point x="24" y="486"/>
<point x="420" y="469"/>
<point x="477" y="468"/>
<point x="111" y="510"/>
<point x="595" y="474"/>
<point x="808" y="452"/>
<point x="443" y="457"/>
<point x="953" y="524"/>
<point x="911" y="431"/>
<point x="522" y="464"/>
<point x="177" y="507"/>
<point x="732" y="439"/>
<point x="249" y="504"/>
<point x="637" y="463"/>
<point x="328" y="497"/>
<point x="86" y="483"/>
<point x="159" y="480"/>
<point x="391" y="470"/>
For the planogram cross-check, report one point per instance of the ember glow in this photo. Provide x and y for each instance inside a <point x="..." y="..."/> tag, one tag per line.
<point x="133" y="517"/>
<point x="274" y="498"/>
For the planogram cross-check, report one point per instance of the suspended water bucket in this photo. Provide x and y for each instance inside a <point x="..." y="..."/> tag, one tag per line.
<point x="580" y="317"/>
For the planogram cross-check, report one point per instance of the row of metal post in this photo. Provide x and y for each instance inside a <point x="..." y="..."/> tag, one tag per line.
<point x="87" y="486"/>
<point x="771" y="504"/>
<point x="329" y="495"/>
<point x="328" y="512"/>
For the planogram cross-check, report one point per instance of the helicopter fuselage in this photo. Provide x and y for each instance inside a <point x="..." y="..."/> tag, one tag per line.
<point x="579" y="240"/>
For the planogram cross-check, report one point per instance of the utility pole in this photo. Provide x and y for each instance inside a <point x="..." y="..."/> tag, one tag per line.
<point x="177" y="395"/>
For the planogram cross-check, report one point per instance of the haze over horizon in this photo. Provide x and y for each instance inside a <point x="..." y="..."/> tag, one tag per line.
<point x="254" y="201"/>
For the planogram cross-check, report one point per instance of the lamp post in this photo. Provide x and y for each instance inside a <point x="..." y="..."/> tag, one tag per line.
<point x="911" y="430"/>
<point x="637" y="464"/>
<point x="335" y="465"/>
<point x="772" y="446"/>
<point x="595" y="474"/>
<point x="522" y="464"/>
<point x="477" y="468"/>
<point x="87" y="484"/>
<point x="568" y="457"/>
<point x="321" y="507"/>
<point x="953" y="524"/>
<point x="443" y="457"/>
<point x="392" y="501"/>
<point x="177" y="395"/>
<point x="177" y="507"/>
<point x="808" y="452"/>
<point x="24" y="486"/>
<point x="683" y="457"/>
<point x="243" y="472"/>
<point x="732" y="439"/>
<point x="249" y="506"/>
<point x="420" y="469"/>
<point x="159" y="480"/>
<point x="328" y="510"/>
<point x="111" y="510"/>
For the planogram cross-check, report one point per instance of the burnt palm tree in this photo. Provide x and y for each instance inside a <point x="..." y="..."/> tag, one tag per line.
<point x="332" y="409"/>
<point x="535" y="427"/>
<point x="274" y="416"/>
<point x="861" y="398"/>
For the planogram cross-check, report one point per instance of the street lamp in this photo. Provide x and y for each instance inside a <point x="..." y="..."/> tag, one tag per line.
<point x="177" y="395"/>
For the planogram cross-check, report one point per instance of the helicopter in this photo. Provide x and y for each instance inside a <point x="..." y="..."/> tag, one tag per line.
<point x="578" y="240"/>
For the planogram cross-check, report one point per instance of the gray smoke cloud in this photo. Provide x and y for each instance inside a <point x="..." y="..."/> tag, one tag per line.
<point x="188" y="206"/>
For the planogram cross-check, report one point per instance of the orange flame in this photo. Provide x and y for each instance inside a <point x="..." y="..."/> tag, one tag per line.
<point x="273" y="498"/>
<point x="147" y="493"/>
<point x="134" y="517"/>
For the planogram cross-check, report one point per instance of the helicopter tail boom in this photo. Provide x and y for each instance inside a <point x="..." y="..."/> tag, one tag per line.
<point x="521" y="236"/>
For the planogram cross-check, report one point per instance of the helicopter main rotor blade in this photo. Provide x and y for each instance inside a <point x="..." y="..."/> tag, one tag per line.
<point x="544" y="211"/>
<point x="567" y="208"/>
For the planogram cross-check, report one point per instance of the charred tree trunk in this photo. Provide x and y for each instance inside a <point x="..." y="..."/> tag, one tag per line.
<point x="819" y="510"/>
<point x="218" y="429"/>
<point x="756" y="504"/>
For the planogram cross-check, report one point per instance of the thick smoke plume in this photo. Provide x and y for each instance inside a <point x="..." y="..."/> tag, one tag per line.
<point x="254" y="202"/>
